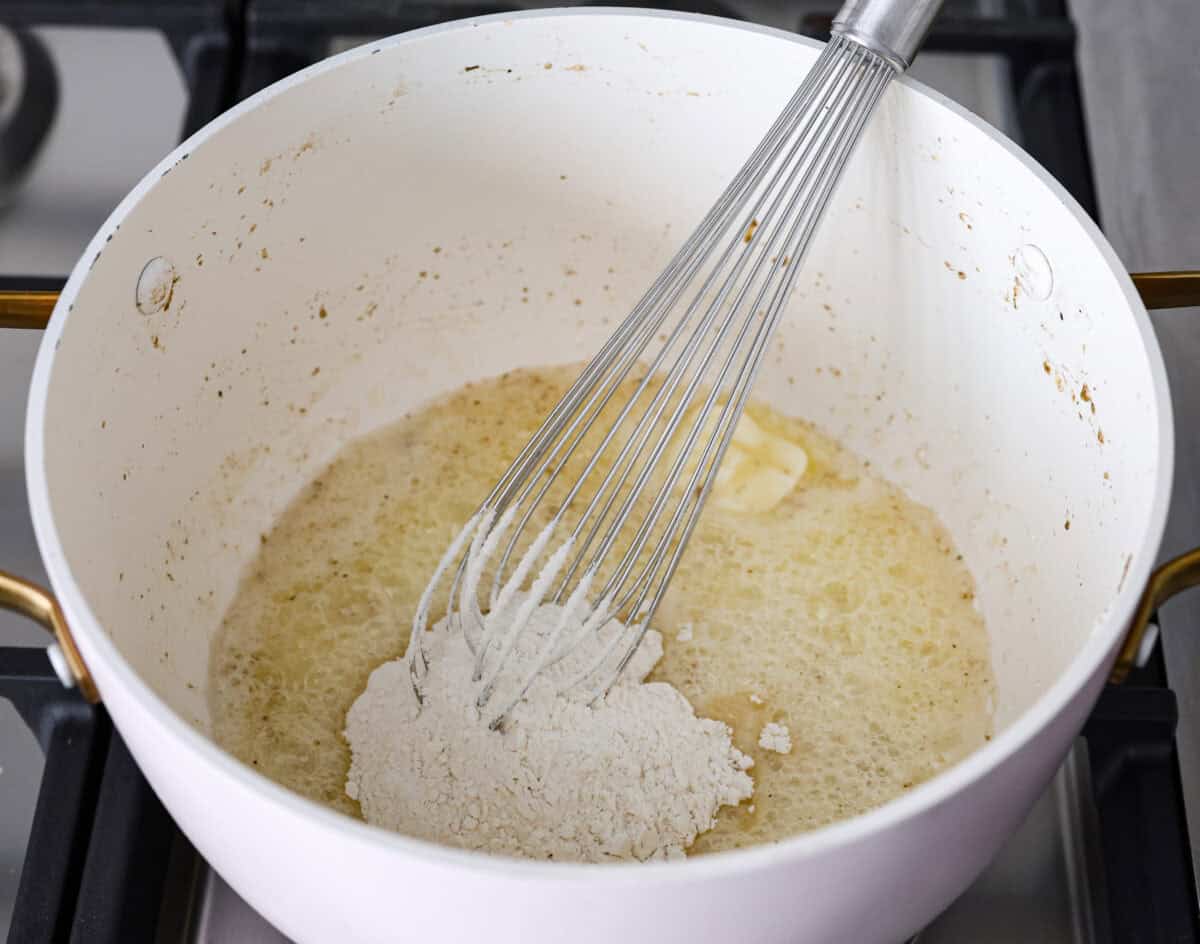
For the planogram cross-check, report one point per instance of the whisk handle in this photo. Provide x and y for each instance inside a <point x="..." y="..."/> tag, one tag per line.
<point x="894" y="29"/>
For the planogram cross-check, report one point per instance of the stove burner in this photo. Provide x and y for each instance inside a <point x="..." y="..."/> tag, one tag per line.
<point x="28" y="103"/>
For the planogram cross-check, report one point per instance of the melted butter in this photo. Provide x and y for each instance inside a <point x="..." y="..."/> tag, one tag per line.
<point x="844" y="613"/>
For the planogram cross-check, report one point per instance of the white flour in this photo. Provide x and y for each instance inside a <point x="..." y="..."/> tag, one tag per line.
<point x="637" y="776"/>
<point x="775" y="737"/>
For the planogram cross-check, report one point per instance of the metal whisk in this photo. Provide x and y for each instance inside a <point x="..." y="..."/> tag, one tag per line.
<point x="605" y="543"/>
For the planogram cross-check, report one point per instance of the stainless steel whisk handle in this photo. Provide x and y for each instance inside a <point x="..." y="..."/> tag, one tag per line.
<point x="893" y="29"/>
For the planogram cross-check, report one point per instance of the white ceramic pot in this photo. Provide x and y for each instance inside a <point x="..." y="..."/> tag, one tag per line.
<point x="972" y="301"/>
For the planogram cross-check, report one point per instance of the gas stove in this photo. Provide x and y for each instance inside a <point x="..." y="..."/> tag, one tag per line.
<point x="87" y="853"/>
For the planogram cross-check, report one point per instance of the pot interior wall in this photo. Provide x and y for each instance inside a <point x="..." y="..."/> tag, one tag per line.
<point x="382" y="219"/>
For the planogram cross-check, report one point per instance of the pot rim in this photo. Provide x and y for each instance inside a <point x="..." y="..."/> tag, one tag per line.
<point x="99" y="648"/>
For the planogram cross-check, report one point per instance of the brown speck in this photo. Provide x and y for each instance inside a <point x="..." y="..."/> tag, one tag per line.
<point x="1125" y="572"/>
<point x="548" y="65"/>
<point x="962" y="274"/>
<point x="437" y="249"/>
<point x="263" y="252"/>
<point x="1067" y="525"/>
<point x="1085" y="394"/>
<point x="1100" y="436"/>
<point x="1107" y="476"/>
<point x="253" y="227"/>
<point x="579" y="301"/>
<point x="154" y="340"/>
<point x="1046" y="366"/>
<point x="315" y="371"/>
<point x="470" y="68"/>
<point x="562" y="176"/>
<point x="750" y="230"/>
<point x="266" y="166"/>
<point x="103" y="424"/>
<point x="241" y="190"/>
<point x="199" y="258"/>
<point x="322" y="313"/>
<point x="577" y="68"/>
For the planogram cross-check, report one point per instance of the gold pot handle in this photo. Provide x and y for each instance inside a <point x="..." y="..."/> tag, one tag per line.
<point x="1175" y="576"/>
<point x="1181" y="289"/>
<point x="39" y="605"/>
<point x="1168" y="289"/>
<point x="26" y="309"/>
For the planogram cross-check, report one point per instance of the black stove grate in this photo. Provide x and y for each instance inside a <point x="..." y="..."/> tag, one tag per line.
<point x="1138" y="793"/>
<point x="100" y="841"/>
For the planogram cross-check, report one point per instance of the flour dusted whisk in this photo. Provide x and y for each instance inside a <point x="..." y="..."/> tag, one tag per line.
<point x="595" y="512"/>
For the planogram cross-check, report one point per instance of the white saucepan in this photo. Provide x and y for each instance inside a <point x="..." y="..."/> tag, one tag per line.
<point x="175" y="411"/>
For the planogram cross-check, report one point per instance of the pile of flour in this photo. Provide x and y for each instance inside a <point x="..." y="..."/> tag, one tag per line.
<point x="635" y="776"/>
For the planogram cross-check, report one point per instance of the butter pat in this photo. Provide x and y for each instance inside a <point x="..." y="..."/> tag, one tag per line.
<point x="759" y="470"/>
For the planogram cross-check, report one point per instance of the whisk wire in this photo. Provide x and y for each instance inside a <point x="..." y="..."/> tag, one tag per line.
<point x="726" y="288"/>
<point x="690" y="259"/>
<point x="736" y="404"/>
<point x="686" y="357"/>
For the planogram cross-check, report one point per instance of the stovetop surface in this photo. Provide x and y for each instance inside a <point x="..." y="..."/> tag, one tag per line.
<point x="1046" y="884"/>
